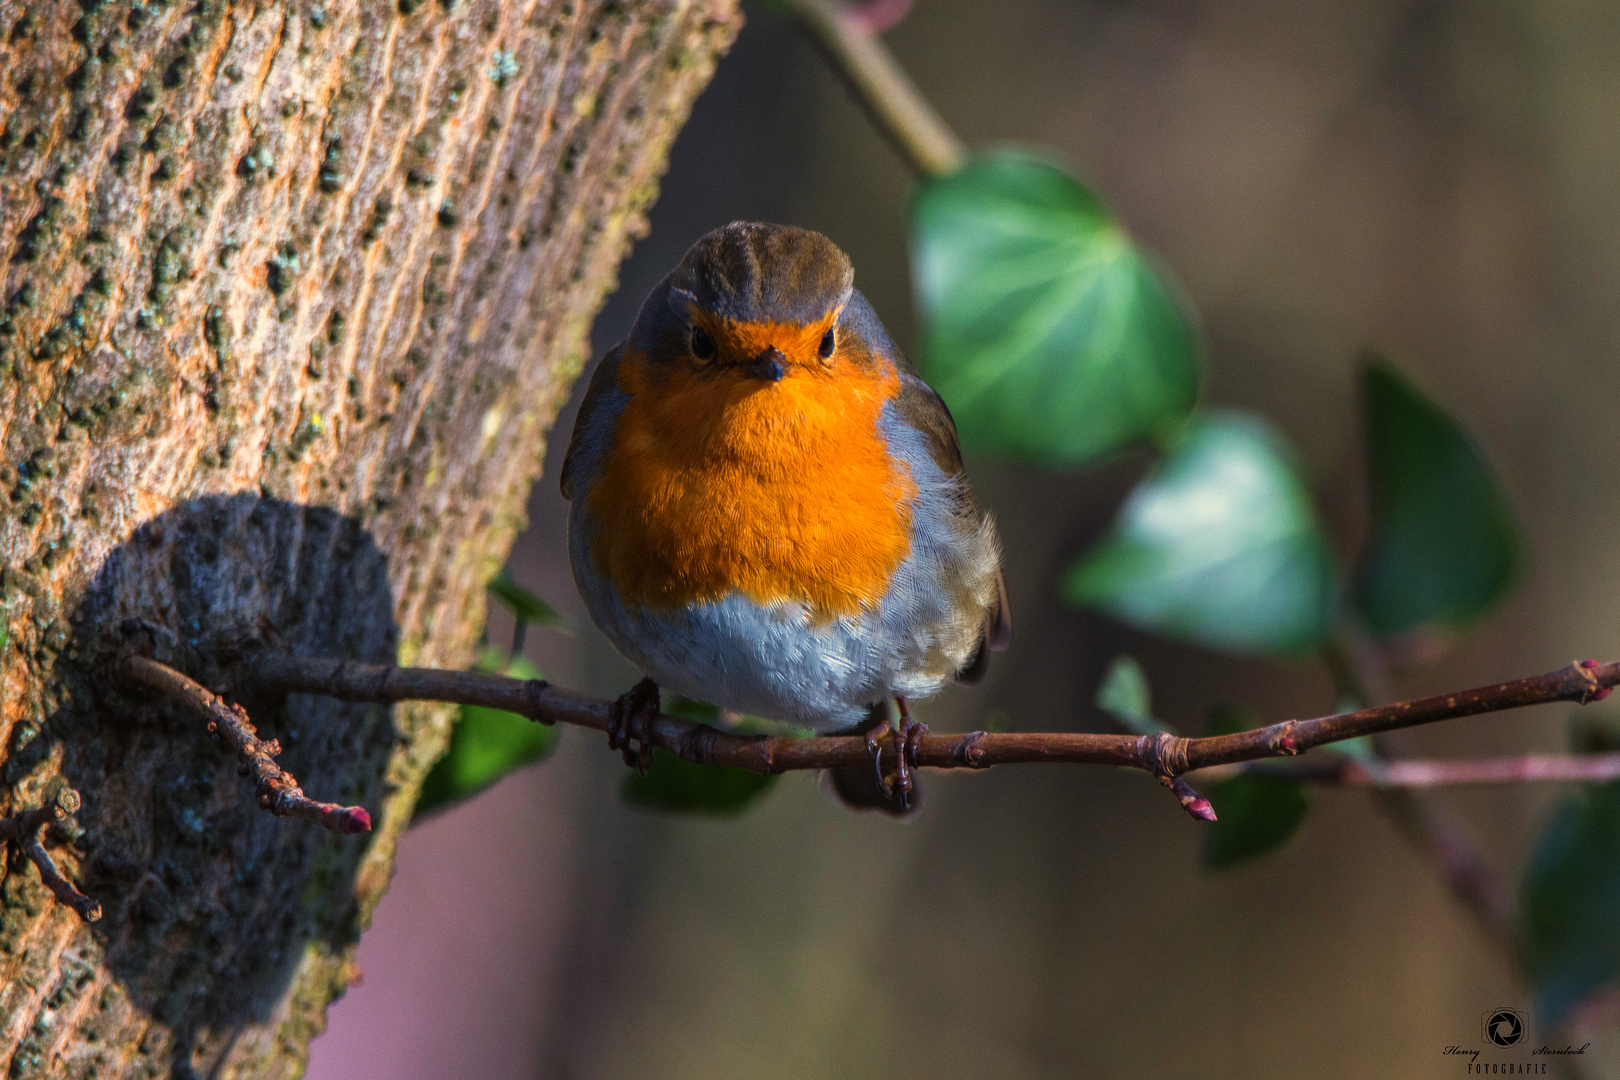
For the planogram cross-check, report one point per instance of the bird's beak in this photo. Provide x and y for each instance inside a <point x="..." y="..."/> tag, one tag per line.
<point x="768" y="365"/>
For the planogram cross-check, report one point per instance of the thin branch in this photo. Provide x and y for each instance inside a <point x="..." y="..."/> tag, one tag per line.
<point x="1165" y="756"/>
<point x="873" y="17"/>
<point x="1558" y="768"/>
<point x="1357" y="665"/>
<point x="879" y="85"/>
<point x="1578" y="768"/>
<point x="277" y="789"/>
<point x="25" y="832"/>
<point x="1444" y="840"/>
<point x="1438" y="833"/>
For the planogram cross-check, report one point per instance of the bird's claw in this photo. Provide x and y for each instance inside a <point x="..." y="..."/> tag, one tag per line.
<point x="906" y="738"/>
<point x="874" y="747"/>
<point x="629" y="730"/>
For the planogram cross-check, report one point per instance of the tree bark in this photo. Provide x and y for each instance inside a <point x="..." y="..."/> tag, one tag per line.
<point x="290" y="294"/>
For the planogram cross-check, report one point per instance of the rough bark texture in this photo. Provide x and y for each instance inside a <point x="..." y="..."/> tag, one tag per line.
<point x="289" y="296"/>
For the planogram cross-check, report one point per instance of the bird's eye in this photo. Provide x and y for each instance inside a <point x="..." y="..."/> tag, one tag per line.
<point x="702" y="344"/>
<point x="828" y="342"/>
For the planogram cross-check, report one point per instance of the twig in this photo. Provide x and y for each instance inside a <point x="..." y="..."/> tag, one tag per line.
<point x="876" y="16"/>
<point x="1429" y="825"/>
<point x="879" y="85"/>
<point x="1443" y="839"/>
<point x="1567" y="768"/>
<point x="277" y="789"/>
<point x="25" y="831"/>
<point x="1163" y="755"/>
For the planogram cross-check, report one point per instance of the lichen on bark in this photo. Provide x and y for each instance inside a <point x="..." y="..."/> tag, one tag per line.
<point x="290" y="294"/>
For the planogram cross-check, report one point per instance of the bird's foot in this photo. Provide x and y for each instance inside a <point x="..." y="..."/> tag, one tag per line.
<point x="629" y="730"/>
<point x="905" y="738"/>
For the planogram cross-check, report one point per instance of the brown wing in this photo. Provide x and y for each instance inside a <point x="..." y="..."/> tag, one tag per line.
<point x="925" y="411"/>
<point x="603" y="381"/>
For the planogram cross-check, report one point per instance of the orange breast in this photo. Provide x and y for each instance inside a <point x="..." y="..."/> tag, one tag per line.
<point x="782" y="491"/>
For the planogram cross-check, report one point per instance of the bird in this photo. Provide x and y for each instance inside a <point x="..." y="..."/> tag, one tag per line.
<point x="768" y="509"/>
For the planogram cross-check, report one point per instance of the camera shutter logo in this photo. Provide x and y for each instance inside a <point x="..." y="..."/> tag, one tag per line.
<point x="1503" y="1027"/>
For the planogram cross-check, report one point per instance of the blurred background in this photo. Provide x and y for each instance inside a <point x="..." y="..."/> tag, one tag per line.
<point x="1441" y="179"/>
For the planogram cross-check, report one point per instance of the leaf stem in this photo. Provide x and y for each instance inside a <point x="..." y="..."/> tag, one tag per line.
<point x="880" y="86"/>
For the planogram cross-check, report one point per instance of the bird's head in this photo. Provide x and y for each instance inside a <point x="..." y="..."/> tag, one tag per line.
<point x="758" y="303"/>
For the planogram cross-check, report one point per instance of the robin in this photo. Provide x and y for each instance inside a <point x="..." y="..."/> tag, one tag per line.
<point x="768" y="507"/>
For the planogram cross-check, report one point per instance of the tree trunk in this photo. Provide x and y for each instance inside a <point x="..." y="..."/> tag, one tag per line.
<point x="291" y="295"/>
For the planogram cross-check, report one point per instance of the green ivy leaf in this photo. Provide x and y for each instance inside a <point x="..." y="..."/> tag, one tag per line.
<point x="1126" y="696"/>
<point x="1442" y="547"/>
<point x="1047" y="331"/>
<point x="486" y="745"/>
<point x="700" y="712"/>
<point x="673" y="783"/>
<point x="1219" y="545"/>
<point x="1254" y="814"/>
<point x="1571" y="903"/>
<point x="1594" y="730"/>
<point x="521" y="602"/>
<point x="1228" y="719"/>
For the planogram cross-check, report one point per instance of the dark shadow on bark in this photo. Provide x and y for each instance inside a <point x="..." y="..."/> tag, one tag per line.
<point x="206" y="897"/>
